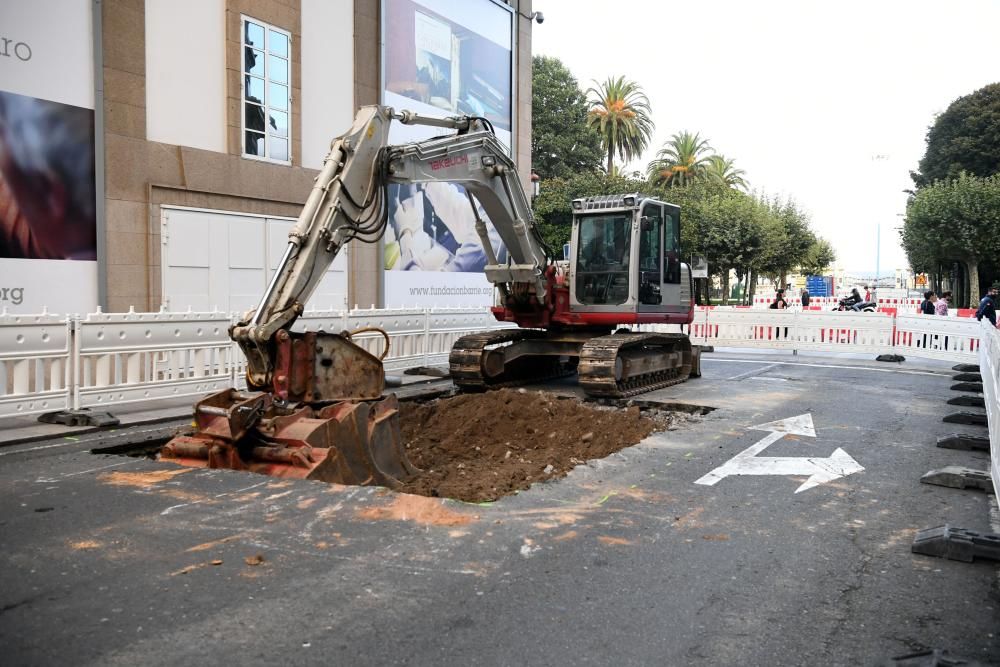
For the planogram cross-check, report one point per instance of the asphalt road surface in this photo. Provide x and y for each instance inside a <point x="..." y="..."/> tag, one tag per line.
<point x="627" y="561"/>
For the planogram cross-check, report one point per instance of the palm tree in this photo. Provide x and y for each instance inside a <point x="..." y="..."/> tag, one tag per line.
<point x="682" y="160"/>
<point x="723" y="171"/>
<point x="619" y="111"/>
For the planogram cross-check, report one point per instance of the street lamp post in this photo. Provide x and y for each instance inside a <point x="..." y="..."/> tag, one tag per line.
<point x="878" y="232"/>
<point x="878" y="256"/>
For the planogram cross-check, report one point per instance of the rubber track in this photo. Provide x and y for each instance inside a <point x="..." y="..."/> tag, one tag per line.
<point x="597" y="364"/>
<point x="465" y="361"/>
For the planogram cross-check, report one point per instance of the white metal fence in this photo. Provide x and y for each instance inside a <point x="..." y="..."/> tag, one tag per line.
<point x="989" y="367"/>
<point x="35" y="363"/>
<point x="137" y="357"/>
<point x="946" y="338"/>
<point x="827" y="302"/>
<point x="51" y="363"/>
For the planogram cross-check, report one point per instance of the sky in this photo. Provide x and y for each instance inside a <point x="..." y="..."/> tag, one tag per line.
<point x="824" y="102"/>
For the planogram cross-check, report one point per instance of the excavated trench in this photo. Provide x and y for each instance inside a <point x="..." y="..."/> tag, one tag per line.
<point x="481" y="447"/>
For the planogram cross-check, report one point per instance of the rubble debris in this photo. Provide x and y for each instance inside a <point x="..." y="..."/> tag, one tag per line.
<point x="479" y="447"/>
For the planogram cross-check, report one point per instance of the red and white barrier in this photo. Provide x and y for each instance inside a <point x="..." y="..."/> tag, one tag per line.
<point x="50" y="363"/>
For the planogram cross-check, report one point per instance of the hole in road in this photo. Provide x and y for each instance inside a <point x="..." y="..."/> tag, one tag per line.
<point x="145" y="449"/>
<point x="479" y="447"/>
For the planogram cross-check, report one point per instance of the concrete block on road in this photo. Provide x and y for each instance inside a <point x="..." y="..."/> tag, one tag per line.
<point x="959" y="477"/>
<point x="970" y="418"/>
<point x="968" y="377"/>
<point x="934" y="657"/>
<point x="956" y="544"/>
<point x="966" y="368"/>
<point x="969" y="401"/>
<point x="968" y="386"/>
<point x="972" y="443"/>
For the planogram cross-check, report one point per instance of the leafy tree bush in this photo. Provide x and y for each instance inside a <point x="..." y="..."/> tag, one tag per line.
<point x="561" y="143"/>
<point x="965" y="138"/>
<point x="952" y="220"/>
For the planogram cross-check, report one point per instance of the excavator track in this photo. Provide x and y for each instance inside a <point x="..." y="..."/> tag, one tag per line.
<point x="466" y="361"/>
<point x="626" y="364"/>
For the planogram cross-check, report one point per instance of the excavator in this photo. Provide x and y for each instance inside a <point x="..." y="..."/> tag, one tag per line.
<point x="314" y="405"/>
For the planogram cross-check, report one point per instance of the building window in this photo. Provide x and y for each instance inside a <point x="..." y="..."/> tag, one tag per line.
<point x="266" y="95"/>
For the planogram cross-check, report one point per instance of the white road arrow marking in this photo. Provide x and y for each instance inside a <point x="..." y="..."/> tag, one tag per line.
<point x="801" y="425"/>
<point x="820" y="470"/>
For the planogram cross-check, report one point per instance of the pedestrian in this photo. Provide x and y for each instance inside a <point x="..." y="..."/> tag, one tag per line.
<point x="779" y="304"/>
<point x="805" y="297"/>
<point x="868" y="294"/>
<point x="941" y="307"/>
<point x="988" y="306"/>
<point x="927" y="305"/>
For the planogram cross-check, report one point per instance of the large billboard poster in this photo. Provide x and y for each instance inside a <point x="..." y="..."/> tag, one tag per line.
<point x="48" y="225"/>
<point x="442" y="58"/>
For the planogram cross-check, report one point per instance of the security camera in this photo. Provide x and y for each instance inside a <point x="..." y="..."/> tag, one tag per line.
<point x="539" y="17"/>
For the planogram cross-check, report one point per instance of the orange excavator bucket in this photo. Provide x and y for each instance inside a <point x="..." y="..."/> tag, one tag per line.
<point x="343" y="443"/>
<point x="354" y="441"/>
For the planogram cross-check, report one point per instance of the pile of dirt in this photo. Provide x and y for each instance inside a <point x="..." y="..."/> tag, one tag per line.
<point x="479" y="447"/>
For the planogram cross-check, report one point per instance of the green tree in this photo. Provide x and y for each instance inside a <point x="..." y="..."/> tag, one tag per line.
<point x="966" y="137"/>
<point x="954" y="220"/>
<point x="553" y="207"/>
<point x="787" y="239"/>
<point x="723" y="171"/>
<point x="818" y="258"/>
<point x="562" y="145"/>
<point x="681" y="161"/>
<point x="724" y="225"/>
<point x="620" y="112"/>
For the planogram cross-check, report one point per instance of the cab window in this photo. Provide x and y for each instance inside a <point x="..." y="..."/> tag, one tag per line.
<point x="672" y="248"/>
<point x="650" y="253"/>
<point x="602" y="262"/>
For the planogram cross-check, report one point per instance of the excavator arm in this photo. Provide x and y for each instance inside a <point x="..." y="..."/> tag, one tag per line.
<point x="349" y="201"/>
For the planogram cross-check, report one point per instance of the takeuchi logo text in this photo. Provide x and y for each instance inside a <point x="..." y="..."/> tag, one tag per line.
<point x="446" y="162"/>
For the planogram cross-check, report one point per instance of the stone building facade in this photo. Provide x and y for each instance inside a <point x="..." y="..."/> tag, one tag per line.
<point x="178" y="129"/>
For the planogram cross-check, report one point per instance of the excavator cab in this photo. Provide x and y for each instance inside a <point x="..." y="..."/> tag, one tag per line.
<point x="627" y="257"/>
<point x="626" y="284"/>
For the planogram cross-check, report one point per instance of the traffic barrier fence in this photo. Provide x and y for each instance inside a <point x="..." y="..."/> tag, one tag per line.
<point x="908" y="304"/>
<point x="989" y="368"/>
<point x="52" y="363"/>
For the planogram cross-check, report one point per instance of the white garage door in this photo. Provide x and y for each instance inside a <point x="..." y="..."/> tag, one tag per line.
<point x="220" y="260"/>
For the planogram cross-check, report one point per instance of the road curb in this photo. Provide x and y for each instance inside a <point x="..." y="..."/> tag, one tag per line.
<point x="86" y="430"/>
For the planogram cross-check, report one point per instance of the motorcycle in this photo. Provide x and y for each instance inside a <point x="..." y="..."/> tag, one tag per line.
<point x="859" y="307"/>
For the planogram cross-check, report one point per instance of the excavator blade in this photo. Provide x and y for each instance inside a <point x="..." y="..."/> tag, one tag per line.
<point x="353" y="443"/>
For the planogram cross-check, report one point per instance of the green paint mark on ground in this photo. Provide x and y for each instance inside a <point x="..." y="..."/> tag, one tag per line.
<point x="605" y="498"/>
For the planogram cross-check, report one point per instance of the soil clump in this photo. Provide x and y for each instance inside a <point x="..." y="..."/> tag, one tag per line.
<point x="479" y="447"/>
